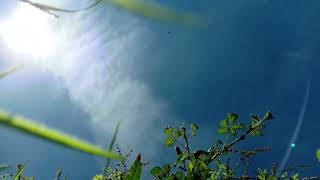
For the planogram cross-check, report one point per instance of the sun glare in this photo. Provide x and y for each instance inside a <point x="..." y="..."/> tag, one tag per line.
<point x="28" y="32"/>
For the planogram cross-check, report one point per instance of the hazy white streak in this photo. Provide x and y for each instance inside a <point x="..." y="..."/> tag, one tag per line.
<point x="298" y="126"/>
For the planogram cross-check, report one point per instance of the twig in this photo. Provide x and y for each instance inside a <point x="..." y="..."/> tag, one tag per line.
<point x="242" y="137"/>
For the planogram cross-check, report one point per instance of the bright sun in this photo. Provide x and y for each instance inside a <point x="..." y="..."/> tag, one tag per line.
<point x="28" y="32"/>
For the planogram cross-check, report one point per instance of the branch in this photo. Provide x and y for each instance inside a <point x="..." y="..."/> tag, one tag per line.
<point x="242" y="137"/>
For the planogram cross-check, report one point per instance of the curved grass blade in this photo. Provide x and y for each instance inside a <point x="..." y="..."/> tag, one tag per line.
<point x="148" y="10"/>
<point x="112" y="143"/>
<point x="156" y="12"/>
<point x="10" y="71"/>
<point x="28" y="127"/>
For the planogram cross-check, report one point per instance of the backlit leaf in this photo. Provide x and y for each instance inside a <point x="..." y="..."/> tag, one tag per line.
<point x="222" y="130"/>
<point x="168" y="142"/>
<point x="232" y="117"/>
<point x="168" y="131"/>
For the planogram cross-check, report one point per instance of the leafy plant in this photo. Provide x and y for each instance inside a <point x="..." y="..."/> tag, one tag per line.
<point x="121" y="172"/>
<point x="214" y="163"/>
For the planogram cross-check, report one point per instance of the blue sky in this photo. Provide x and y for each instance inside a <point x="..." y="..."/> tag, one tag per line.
<point x="253" y="56"/>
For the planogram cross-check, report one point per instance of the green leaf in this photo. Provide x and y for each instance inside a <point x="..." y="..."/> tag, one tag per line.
<point x="295" y="177"/>
<point x="190" y="165"/>
<point x="194" y="127"/>
<point x="165" y="168"/>
<point x="168" y="130"/>
<point x="113" y="140"/>
<point x="318" y="154"/>
<point x="223" y="123"/>
<point x="176" y="134"/>
<point x="180" y="158"/>
<point x="28" y="127"/>
<point x="168" y="142"/>
<point x="222" y="130"/>
<point x="179" y="175"/>
<point x="97" y="177"/>
<point x="135" y="169"/>
<point x="268" y="116"/>
<point x="155" y="171"/>
<point x="232" y="117"/>
<point x="284" y="174"/>
<point x="256" y="132"/>
<point x="238" y="126"/>
<point x="233" y="132"/>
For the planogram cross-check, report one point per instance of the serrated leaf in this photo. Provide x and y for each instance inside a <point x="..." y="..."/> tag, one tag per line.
<point x="222" y="130"/>
<point x="168" y="130"/>
<point x="168" y="142"/>
<point x="232" y="117"/>
<point x="155" y="171"/>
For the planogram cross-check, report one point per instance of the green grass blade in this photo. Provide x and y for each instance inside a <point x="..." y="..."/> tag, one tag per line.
<point x="148" y="10"/>
<point x="20" y="171"/>
<point x="112" y="142"/>
<point x="28" y="127"/>
<point x="156" y="12"/>
<point x="10" y="71"/>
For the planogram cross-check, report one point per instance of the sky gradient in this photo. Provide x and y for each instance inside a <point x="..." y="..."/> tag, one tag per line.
<point x="111" y="65"/>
